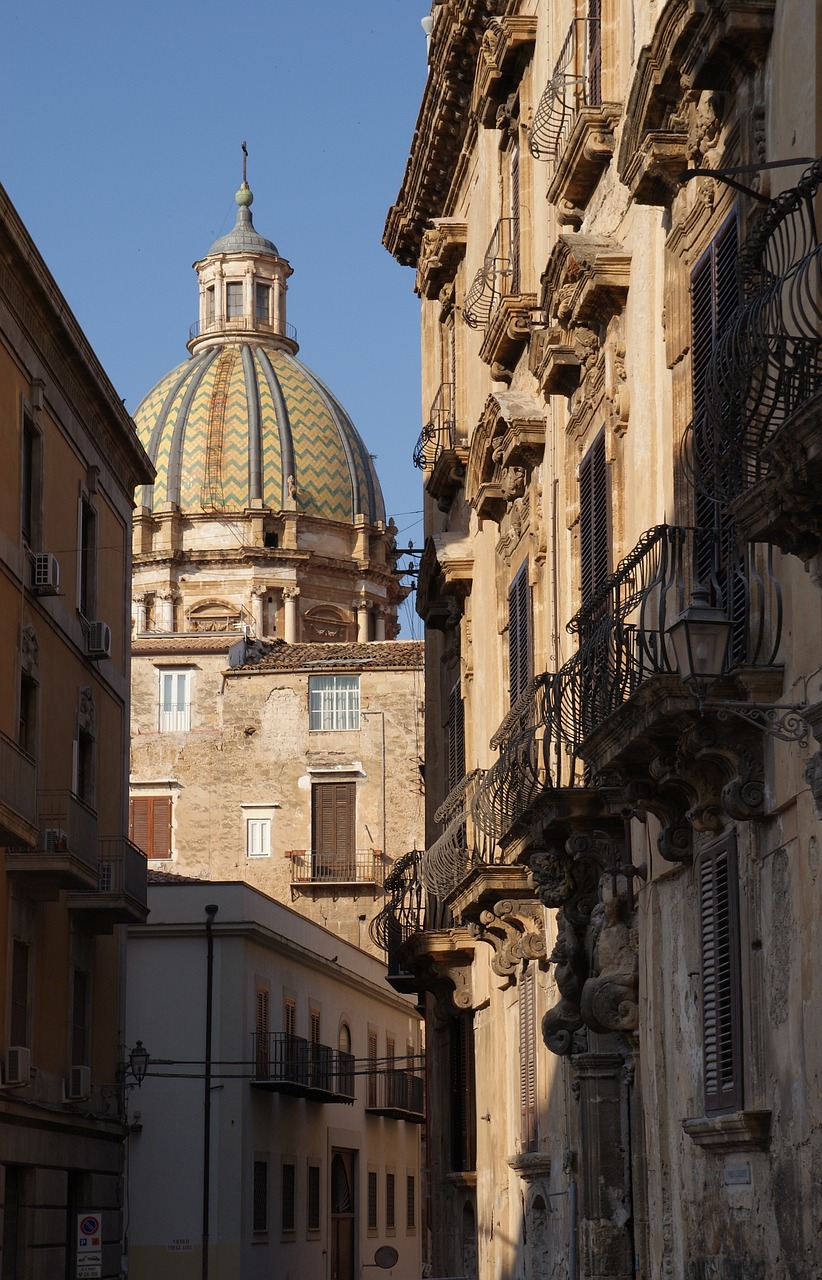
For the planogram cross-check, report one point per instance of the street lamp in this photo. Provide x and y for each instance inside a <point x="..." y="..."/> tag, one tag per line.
<point x="138" y="1060"/>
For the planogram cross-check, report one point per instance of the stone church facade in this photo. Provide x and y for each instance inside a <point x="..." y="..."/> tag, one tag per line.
<point x="614" y="925"/>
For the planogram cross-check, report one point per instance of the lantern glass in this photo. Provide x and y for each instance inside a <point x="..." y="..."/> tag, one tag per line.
<point x="138" y="1061"/>
<point x="700" y="638"/>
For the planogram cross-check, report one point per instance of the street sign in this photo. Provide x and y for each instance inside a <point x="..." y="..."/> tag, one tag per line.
<point x="89" y="1246"/>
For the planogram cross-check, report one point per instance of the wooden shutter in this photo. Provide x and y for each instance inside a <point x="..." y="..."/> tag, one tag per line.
<point x="519" y="634"/>
<point x="455" y="737"/>
<point x="261" y="1039"/>
<point x="721" y="979"/>
<point x="463" y="1108"/>
<point x="332" y="830"/>
<point x="260" y="1196"/>
<point x="390" y="1218"/>
<point x="288" y="1220"/>
<point x="594" y="519"/>
<point x="372" y="1200"/>
<point x="150" y="825"/>
<point x="528" y="1060"/>
<point x="313" y="1215"/>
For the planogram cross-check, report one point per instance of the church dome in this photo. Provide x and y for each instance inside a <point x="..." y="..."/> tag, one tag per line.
<point x="243" y="423"/>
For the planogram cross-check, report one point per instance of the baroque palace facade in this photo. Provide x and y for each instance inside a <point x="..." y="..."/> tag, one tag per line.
<point x="615" y="923"/>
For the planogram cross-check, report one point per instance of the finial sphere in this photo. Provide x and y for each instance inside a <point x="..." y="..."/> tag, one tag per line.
<point x="244" y="196"/>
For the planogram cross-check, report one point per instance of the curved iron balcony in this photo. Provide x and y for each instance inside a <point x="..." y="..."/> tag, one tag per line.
<point x="440" y="432"/>
<point x="767" y="364"/>
<point x="497" y="277"/>
<point x="575" y="82"/>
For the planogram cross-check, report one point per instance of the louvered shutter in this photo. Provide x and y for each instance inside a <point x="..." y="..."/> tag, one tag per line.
<point x="519" y="634"/>
<point x="463" y="1106"/>
<point x="455" y="737"/>
<point x="528" y="1060"/>
<point x="594" y="518"/>
<point x="721" y="982"/>
<point x="333" y="827"/>
<point x="261" y="1030"/>
<point x="150" y="825"/>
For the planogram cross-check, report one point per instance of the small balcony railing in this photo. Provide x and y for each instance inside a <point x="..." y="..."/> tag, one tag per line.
<point x="363" y="867"/>
<point x="67" y="825"/>
<point x="18" y="781"/>
<point x="291" y="1064"/>
<point x="576" y="82"/>
<point x="498" y="276"/>
<point x="175" y="719"/>
<point x="439" y="435"/>
<point x="767" y="364"/>
<point x="396" y="1093"/>
<point x="123" y="869"/>
<point x="214" y="324"/>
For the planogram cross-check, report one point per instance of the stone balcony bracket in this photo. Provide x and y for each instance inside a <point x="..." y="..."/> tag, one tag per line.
<point x="509" y="329"/>
<point x="506" y="44"/>
<point x="532" y="1166"/>
<point x="736" y="1131"/>
<point x="441" y="252"/>
<point x="586" y="155"/>
<point x="506" y="446"/>
<point x="585" y="282"/>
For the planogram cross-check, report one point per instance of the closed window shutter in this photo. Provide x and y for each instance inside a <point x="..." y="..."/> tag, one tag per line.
<point x="721" y="979"/>
<point x="261" y="1029"/>
<point x="519" y="634"/>
<point x="455" y="737"/>
<point x="150" y="825"/>
<point x="594" y="519"/>
<point x="463" y="1109"/>
<point x="332" y="834"/>
<point x="528" y="1060"/>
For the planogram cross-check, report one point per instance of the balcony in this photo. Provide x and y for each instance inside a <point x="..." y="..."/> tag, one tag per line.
<point x="290" y="1064"/>
<point x="65" y="850"/>
<point x="240" y="324"/>
<point x="573" y="128"/>
<point x="757" y="444"/>
<point x="120" y="896"/>
<point x="399" y="1095"/>
<point x="18" y="795"/>
<point x="318" y="870"/>
<point x="440" y="451"/>
<point x="495" y="302"/>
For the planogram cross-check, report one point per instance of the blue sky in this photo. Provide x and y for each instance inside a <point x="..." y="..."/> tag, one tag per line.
<point x="120" y="147"/>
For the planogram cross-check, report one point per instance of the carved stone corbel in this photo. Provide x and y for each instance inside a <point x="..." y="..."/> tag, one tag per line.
<point x="516" y="931"/>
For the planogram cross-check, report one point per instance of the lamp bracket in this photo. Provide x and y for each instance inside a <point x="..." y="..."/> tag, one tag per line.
<point x="780" y="720"/>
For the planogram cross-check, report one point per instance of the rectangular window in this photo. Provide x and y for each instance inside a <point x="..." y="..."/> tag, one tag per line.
<point x="84" y="761"/>
<point x="372" y="1200"/>
<point x="27" y="724"/>
<point x="313" y="1199"/>
<point x="371" y="1092"/>
<point x="150" y="825"/>
<point x="258" y="837"/>
<point x="262" y="297"/>
<point x="410" y="1202"/>
<point x="333" y="844"/>
<point x="30" y="484"/>
<point x="721" y="977"/>
<point x="87" y="561"/>
<point x="290" y="1016"/>
<point x="455" y="737"/>
<point x="528" y="1050"/>
<point x="19" y="1021"/>
<point x="334" y="702"/>
<point x="315" y="1026"/>
<point x="594" y="519"/>
<point x="289" y="1198"/>
<point x="233" y="299"/>
<point x="262" y="1046"/>
<point x="259" y="1205"/>
<point x="519" y="634"/>
<point x="390" y="1208"/>
<point x="209" y="305"/>
<point x="463" y="1108"/>
<point x="79" y="1019"/>
<point x="175" y="701"/>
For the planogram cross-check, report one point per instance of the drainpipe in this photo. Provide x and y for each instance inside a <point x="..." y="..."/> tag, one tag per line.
<point x="211" y="912"/>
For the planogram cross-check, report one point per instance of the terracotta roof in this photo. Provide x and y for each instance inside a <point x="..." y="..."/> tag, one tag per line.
<point x="390" y="654"/>
<point x="191" y="642"/>
<point x="169" y="877"/>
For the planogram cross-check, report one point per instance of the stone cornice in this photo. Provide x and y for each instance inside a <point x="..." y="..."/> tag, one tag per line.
<point x="504" y="40"/>
<point x="738" y="1131"/>
<point x="586" y="154"/>
<point x="441" y="251"/>
<point x="586" y="280"/>
<point x="505" y="447"/>
<point x="509" y="328"/>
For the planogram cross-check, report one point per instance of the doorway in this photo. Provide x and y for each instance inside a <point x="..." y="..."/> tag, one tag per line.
<point x="343" y="1214"/>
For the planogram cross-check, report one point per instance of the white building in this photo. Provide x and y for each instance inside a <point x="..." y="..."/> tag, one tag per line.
<point x="315" y="1095"/>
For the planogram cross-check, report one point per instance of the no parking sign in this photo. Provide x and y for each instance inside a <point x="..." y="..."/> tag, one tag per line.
<point x="89" y="1246"/>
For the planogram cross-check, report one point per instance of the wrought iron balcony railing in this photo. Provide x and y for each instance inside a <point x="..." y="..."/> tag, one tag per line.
<point x="767" y="363"/>
<point x="363" y="867"/>
<point x="622" y="642"/>
<point x="575" y="82"/>
<point x="397" y="1093"/>
<point x="217" y="323"/>
<point x="448" y="860"/>
<point x="292" y="1064"/>
<point x="440" y="431"/>
<point x="18" y="781"/>
<point x="498" y="276"/>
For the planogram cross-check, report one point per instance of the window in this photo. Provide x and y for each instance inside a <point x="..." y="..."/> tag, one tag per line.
<point x="371" y="1094"/>
<point x="79" y="1019"/>
<point x="209" y="305"/>
<point x="259" y="1193"/>
<point x="84" y="781"/>
<point x="175" y="701"/>
<point x="19" y="1020"/>
<point x="528" y="1060"/>
<point x="288" y="1222"/>
<point x="313" y="1198"/>
<point x="334" y="702"/>
<point x="30" y="483"/>
<point x="455" y="737"/>
<point x="390" y="1208"/>
<point x="519" y="634"/>
<point x="463" y="1111"/>
<point x="258" y="837"/>
<point x="261" y="1030"/>
<point x="27" y="725"/>
<point x="234" y="299"/>
<point x="344" y="1040"/>
<point x="290" y="1016"/>
<point x="410" y="1202"/>
<point x="262" y="297"/>
<point x="594" y="519"/>
<point x="333" y="845"/>
<point x="372" y="1200"/>
<point x="87" y="560"/>
<point x="150" y="825"/>
<point x="721" y="978"/>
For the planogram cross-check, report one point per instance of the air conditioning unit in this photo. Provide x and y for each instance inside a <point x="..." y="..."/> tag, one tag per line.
<point x="55" y="840"/>
<point x="45" y="574"/>
<point x="77" y="1088"/>
<point x="98" y="643"/>
<point x="18" y="1066"/>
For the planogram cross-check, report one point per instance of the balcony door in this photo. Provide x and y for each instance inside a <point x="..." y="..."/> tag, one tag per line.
<point x="332" y="830"/>
<point x="343" y="1214"/>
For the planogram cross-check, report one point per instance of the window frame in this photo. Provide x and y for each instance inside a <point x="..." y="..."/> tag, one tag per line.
<point x="313" y="1224"/>
<point x="520" y="634"/>
<point x="162" y="820"/>
<point x="288" y="1198"/>
<point x="257" y="827"/>
<point x="595" y="523"/>
<point x="87" y="542"/>
<point x="335" y="706"/>
<point x="717" y="874"/>
<point x="260" y="1224"/>
<point x="174" y="717"/>
<point x="31" y="482"/>
<point x="234" y="290"/>
<point x="333" y="827"/>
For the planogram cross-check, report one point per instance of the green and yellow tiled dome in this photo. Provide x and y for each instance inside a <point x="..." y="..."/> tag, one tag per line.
<point x="248" y="421"/>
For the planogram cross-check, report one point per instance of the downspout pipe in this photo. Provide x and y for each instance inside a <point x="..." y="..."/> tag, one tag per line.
<point x="211" y="912"/>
